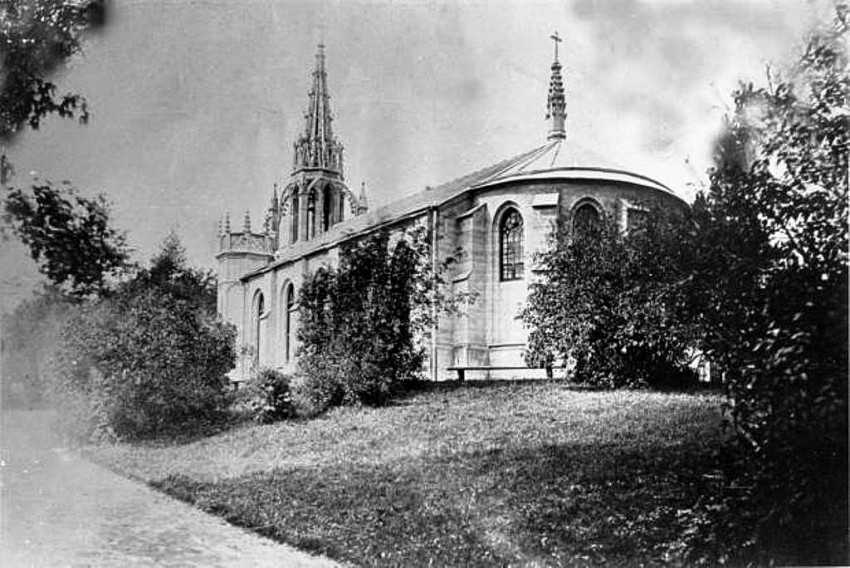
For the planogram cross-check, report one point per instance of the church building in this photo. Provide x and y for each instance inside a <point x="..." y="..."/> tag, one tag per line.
<point x="498" y="217"/>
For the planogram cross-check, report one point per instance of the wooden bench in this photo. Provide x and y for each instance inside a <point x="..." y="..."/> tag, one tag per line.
<point x="461" y="370"/>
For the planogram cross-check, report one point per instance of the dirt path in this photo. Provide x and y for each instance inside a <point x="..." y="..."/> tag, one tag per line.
<point x="57" y="509"/>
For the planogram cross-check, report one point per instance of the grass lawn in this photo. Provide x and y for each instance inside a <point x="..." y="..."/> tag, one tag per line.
<point x="528" y="473"/>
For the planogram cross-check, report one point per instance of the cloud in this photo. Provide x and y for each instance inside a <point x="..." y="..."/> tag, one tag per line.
<point x="199" y="105"/>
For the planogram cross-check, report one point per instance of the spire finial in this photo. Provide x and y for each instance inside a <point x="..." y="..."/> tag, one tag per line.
<point x="275" y="206"/>
<point x="317" y="148"/>
<point x="556" y="105"/>
<point x="227" y="222"/>
<point x="246" y="224"/>
<point x="557" y="39"/>
<point x="362" y="203"/>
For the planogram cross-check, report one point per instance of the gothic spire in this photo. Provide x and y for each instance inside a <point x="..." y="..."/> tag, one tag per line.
<point x="556" y="105"/>
<point x="317" y="148"/>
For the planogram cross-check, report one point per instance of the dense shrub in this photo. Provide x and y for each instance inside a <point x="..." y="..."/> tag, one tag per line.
<point x="610" y="302"/>
<point x="269" y="396"/>
<point x="148" y="364"/>
<point x="770" y="284"/>
<point x="150" y="358"/>
<point x="361" y="324"/>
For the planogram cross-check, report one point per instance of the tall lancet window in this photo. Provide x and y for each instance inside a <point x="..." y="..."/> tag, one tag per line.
<point x="510" y="246"/>
<point x="341" y="217"/>
<point x="326" y="208"/>
<point x="294" y="218"/>
<point x="257" y="316"/>
<point x="311" y="215"/>
<point x="288" y="314"/>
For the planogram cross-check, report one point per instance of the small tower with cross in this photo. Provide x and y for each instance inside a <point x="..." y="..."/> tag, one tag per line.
<point x="556" y="104"/>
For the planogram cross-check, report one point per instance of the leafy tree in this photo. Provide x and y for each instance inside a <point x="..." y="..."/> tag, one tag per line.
<point x="770" y="285"/>
<point x="151" y="358"/>
<point x="170" y="272"/>
<point x="69" y="237"/>
<point x="74" y="245"/>
<point x="610" y="302"/>
<point x="360" y="325"/>
<point x="36" y="37"/>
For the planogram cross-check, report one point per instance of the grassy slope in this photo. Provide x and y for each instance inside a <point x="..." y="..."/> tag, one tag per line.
<point x="508" y="473"/>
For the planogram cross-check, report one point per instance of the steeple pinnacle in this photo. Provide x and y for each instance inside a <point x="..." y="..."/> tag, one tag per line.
<point x="556" y="105"/>
<point x="317" y="148"/>
<point x="362" y="202"/>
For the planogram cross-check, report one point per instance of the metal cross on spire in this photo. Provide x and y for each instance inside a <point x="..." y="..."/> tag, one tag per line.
<point x="557" y="39"/>
<point x="322" y="31"/>
<point x="556" y="105"/>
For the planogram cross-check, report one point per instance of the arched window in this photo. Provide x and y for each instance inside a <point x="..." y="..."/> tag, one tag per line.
<point x="257" y="324"/>
<point x="294" y="219"/>
<point x="288" y="309"/>
<point x="311" y="215"/>
<point x="510" y="246"/>
<point x="586" y="220"/>
<point x="326" y="208"/>
<point x="341" y="216"/>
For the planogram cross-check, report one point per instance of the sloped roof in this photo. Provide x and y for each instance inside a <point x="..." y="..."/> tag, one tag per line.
<point x="558" y="160"/>
<point x="553" y="160"/>
<point x="389" y="213"/>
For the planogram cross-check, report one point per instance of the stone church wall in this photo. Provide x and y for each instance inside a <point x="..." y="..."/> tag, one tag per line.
<point x="506" y="337"/>
<point x="488" y="331"/>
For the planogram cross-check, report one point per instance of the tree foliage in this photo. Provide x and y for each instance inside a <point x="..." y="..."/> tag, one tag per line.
<point x="151" y="358"/>
<point x="361" y="324"/>
<point x="170" y="272"/>
<point x="610" y="302"/>
<point x="36" y="37"/>
<point x="69" y="236"/>
<point x="770" y="286"/>
<point x="74" y="245"/>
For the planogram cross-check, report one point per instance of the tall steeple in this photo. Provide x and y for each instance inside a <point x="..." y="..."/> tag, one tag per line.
<point x="556" y="105"/>
<point x="317" y="148"/>
<point x="315" y="198"/>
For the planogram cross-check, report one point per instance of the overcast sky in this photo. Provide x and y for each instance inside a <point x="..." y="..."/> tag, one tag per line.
<point x="195" y="105"/>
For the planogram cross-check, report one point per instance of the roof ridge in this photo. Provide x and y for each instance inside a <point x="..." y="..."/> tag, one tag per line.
<point x="557" y="152"/>
<point x="507" y="163"/>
